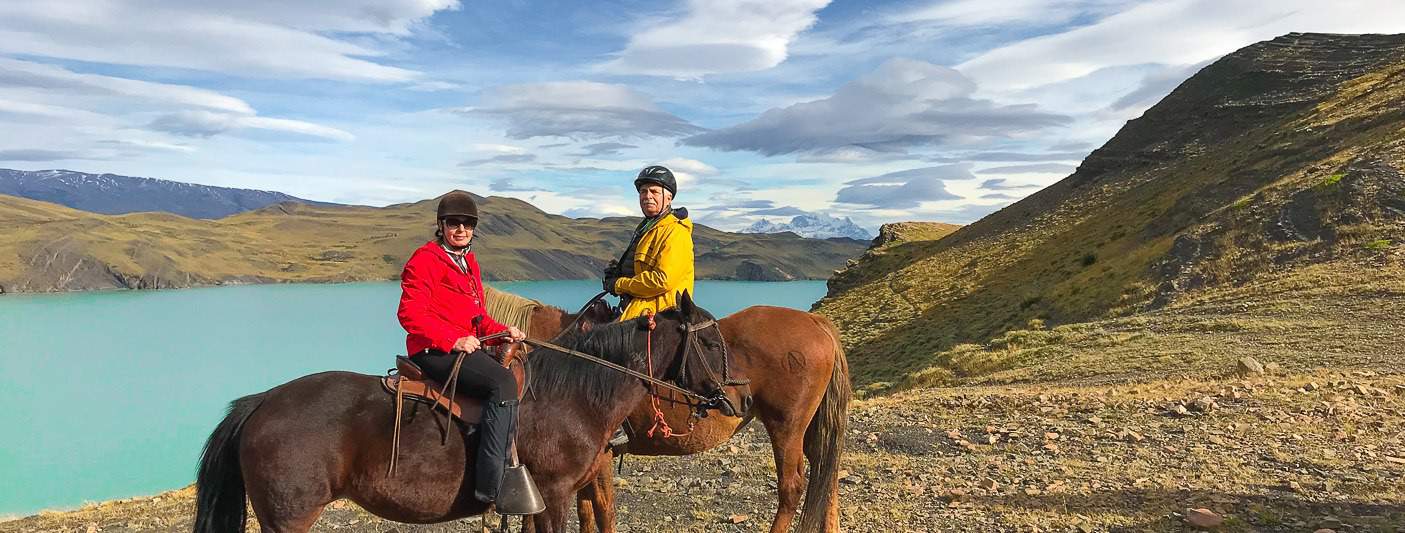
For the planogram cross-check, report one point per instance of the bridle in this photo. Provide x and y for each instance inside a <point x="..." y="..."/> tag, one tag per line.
<point x="699" y="403"/>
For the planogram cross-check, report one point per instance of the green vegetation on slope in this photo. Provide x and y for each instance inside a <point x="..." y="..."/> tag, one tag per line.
<point x="56" y="248"/>
<point x="1283" y="155"/>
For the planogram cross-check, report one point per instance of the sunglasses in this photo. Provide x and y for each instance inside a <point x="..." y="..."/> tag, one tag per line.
<point x="454" y="222"/>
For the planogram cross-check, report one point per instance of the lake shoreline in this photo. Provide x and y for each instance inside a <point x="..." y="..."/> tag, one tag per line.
<point x="239" y="283"/>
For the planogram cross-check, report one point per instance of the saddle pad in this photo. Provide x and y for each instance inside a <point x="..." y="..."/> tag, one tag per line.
<point x="465" y="408"/>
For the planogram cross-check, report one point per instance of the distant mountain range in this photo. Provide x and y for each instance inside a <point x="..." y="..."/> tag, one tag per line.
<point x="111" y="194"/>
<point x="813" y="226"/>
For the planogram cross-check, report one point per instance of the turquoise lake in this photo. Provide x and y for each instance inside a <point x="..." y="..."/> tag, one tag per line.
<point x="112" y="394"/>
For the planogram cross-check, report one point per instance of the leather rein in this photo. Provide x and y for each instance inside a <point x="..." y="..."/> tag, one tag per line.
<point x="690" y="330"/>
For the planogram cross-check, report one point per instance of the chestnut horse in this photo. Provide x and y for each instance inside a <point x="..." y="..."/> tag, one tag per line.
<point x="799" y="390"/>
<point x="299" y="446"/>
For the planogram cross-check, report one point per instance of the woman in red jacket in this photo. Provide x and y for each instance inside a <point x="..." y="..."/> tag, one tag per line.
<point x="441" y="308"/>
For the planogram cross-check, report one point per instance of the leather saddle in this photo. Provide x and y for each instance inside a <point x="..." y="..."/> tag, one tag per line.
<point x="407" y="380"/>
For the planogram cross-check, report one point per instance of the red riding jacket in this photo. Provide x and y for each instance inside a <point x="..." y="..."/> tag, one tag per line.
<point x="438" y="302"/>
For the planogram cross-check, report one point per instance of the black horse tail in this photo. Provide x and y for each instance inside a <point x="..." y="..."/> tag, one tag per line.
<point x="219" y="485"/>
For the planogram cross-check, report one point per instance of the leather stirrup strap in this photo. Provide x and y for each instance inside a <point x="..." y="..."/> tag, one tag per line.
<point x="451" y="386"/>
<point x="395" y="436"/>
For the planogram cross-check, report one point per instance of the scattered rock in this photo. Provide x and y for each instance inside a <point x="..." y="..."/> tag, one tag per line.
<point x="1203" y="518"/>
<point x="1272" y="368"/>
<point x="738" y="518"/>
<point x="1250" y="366"/>
<point x="989" y="484"/>
<point x="1204" y="404"/>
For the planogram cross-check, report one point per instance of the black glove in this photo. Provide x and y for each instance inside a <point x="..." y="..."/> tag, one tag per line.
<point x="609" y="284"/>
<point x="612" y="269"/>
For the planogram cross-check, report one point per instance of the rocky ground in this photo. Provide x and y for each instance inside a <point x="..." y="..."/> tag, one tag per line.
<point x="1300" y="452"/>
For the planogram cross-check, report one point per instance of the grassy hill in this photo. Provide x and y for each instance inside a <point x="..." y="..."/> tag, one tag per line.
<point x="1275" y="171"/>
<point x="56" y="248"/>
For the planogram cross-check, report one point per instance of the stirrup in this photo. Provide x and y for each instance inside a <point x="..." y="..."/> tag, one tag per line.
<point x="619" y="441"/>
<point x="518" y="494"/>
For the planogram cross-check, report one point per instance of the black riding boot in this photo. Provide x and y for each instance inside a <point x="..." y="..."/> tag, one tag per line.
<point x="494" y="437"/>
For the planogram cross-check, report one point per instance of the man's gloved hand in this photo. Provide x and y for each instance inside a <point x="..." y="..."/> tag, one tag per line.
<point x="609" y="284"/>
<point x="613" y="268"/>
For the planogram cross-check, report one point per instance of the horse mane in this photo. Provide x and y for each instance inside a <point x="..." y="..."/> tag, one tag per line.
<point x="557" y="375"/>
<point x="510" y="309"/>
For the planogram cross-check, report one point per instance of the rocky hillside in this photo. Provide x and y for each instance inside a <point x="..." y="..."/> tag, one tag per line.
<point x="112" y="194"/>
<point x="54" y="248"/>
<point x="1276" y="168"/>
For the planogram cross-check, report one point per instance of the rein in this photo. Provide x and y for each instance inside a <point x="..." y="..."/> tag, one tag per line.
<point x="635" y="373"/>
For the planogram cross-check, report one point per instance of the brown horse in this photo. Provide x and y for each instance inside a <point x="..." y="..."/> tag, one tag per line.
<point x="299" y="446"/>
<point x="800" y="391"/>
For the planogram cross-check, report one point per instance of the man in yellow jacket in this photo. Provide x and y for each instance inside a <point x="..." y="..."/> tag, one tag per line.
<point x="658" y="264"/>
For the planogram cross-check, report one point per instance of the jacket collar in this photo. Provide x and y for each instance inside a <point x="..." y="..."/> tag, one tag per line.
<point x="443" y="254"/>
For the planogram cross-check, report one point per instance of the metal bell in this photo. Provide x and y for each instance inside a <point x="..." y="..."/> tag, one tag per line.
<point x="518" y="494"/>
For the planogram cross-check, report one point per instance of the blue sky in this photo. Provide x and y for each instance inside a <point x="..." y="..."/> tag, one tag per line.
<point x="879" y="111"/>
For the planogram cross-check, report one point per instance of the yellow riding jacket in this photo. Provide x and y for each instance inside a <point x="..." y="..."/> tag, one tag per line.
<point x="663" y="267"/>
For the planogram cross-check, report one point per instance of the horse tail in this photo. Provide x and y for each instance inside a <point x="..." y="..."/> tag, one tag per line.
<point x="824" y="441"/>
<point x="219" y="484"/>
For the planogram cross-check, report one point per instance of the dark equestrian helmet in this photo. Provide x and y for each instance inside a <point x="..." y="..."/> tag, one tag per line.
<point x="657" y="174"/>
<point x="457" y="204"/>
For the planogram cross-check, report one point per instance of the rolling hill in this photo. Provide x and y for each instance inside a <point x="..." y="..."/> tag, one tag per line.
<point x="55" y="248"/>
<point x="1268" y="188"/>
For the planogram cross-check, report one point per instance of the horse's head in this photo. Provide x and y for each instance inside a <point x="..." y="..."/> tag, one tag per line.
<point x="698" y="358"/>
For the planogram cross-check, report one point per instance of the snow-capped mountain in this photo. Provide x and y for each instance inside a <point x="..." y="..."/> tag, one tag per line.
<point x="814" y="226"/>
<point x="111" y="194"/>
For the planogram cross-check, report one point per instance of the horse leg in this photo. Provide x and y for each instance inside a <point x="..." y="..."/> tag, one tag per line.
<point x="787" y="443"/>
<point x="290" y="524"/>
<point x="604" y="491"/>
<point x="585" y="509"/>
<point x="553" y="519"/>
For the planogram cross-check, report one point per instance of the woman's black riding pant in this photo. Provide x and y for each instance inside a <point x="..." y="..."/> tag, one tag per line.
<point x="482" y="376"/>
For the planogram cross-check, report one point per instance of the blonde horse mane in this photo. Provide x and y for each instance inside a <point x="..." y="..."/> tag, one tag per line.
<point x="510" y="309"/>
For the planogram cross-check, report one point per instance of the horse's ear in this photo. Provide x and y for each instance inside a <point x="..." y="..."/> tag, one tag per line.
<point x="685" y="303"/>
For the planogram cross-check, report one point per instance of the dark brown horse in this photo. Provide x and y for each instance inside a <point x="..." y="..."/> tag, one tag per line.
<point x="800" y="391"/>
<point x="299" y="446"/>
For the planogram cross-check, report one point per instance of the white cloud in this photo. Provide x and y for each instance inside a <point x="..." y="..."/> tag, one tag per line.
<point x="903" y="104"/>
<point x="578" y="110"/>
<point x="1172" y="32"/>
<point x="197" y="123"/>
<point x="687" y="171"/>
<point x="257" y="38"/>
<point x="974" y="13"/>
<point x="903" y="189"/>
<point x="496" y="149"/>
<point x="716" y="36"/>
<point x="31" y="75"/>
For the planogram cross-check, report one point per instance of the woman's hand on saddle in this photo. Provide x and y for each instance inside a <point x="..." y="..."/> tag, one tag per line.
<point x="467" y="344"/>
<point x="516" y="334"/>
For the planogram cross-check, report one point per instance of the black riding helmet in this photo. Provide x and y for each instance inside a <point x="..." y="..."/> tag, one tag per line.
<point x="657" y="174"/>
<point x="457" y="204"/>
